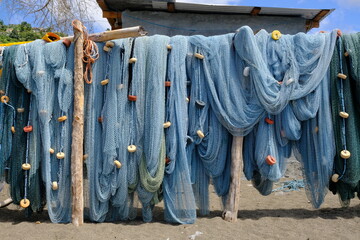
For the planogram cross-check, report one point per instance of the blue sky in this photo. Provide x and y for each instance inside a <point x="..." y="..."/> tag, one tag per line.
<point x="346" y="16"/>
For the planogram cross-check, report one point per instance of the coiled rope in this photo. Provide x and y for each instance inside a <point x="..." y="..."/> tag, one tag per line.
<point x="91" y="53"/>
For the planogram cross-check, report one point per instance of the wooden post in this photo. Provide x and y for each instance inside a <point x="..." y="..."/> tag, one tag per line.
<point x="78" y="129"/>
<point x="232" y="204"/>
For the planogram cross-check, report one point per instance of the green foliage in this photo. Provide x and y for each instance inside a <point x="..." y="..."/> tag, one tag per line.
<point x="21" y="32"/>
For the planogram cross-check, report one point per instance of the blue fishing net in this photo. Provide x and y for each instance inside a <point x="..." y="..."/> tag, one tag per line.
<point x="286" y="78"/>
<point x="345" y="98"/>
<point x="275" y="93"/>
<point x="46" y="70"/>
<point x="179" y="199"/>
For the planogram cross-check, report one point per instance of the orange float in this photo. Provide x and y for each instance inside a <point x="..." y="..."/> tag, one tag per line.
<point x="270" y="160"/>
<point x="28" y="129"/>
<point x="269" y="121"/>
<point x="132" y="98"/>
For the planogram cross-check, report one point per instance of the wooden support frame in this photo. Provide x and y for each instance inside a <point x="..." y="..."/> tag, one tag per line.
<point x="79" y="101"/>
<point x="232" y="203"/>
<point x="114" y="34"/>
<point x="255" y="11"/>
<point x="171" y="7"/>
<point x="315" y="22"/>
<point x="78" y="129"/>
<point x="115" y="22"/>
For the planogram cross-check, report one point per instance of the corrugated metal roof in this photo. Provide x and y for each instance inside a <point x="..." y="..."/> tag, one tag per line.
<point x="312" y="16"/>
<point x="213" y="8"/>
<point x="231" y="9"/>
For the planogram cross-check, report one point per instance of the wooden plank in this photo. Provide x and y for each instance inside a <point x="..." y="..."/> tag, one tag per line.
<point x="78" y="130"/>
<point x="311" y="24"/>
<point x="111" y="14"/>
<point x="171" y="7"/>
<point x="232" y="204"/>
<point x="114" y="34"/>
<point x="255" y="11"/>
<point x="102" y="5"/>
<point x="320" y="15"/>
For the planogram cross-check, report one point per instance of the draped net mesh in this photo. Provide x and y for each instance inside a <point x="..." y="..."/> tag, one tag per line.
<point x="180" y="111"/>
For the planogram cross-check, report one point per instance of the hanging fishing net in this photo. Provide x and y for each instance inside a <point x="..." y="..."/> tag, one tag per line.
<point x="105" y="134"/>
<point x="345" y="100"/>
<point x="161" y="113"/>
<point x="46" y="70"/>
<point x="8" y="97"/>
<point x="254" y="78"/>
<point x="291" y="82"/>
<point x="179" y="202"/>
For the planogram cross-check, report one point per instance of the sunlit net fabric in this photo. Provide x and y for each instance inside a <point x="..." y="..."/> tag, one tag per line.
<point x="210" y="154"/>
<point x="345" y="96"/>
<point x="179" y="202"/>
<point x="290" y="80"/>
<point x="46" y="70"/>
<point x="279" y="72"/>
<point x="152" y="70"/>
<point x="105" y="134"/>
<point x="7" y="110"/>
<point x="275" y="93"/>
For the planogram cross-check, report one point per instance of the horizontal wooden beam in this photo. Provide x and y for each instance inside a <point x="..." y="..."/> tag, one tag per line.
<point x="320" y="15"/>
<point x="114" y="34"/>
<point x="255" y="11"/>
<point x="111" y="14"/>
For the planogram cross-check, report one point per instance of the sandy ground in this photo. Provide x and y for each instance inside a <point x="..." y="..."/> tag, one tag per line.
<point x="282" y="215"/>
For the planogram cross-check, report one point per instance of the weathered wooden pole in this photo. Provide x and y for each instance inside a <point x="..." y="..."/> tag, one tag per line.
<point x="78" y="129"/>
<point x="232" y="204"/>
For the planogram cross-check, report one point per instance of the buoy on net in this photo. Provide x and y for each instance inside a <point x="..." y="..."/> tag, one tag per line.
<point x="60" y="155"/>
<point x="270" y="160"/>
<point x="131" y="148"/>
<point x="167" y="124"/>
<point x="62" y="118"/>
<point x="26" y="166"/>
<point x="24" y="203"/>
<point x="200" y="134"/>
<point x="117" y="164"/>
<point x="345" y="154"/>
<point x="55" y="186"/>
<point x="276" y="35"/>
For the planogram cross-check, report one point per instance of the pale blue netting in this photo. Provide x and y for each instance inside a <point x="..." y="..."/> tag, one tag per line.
<point x="152" y="71"/>
<point x="304" y="59"/>
<point x="124" y="123"/>
<point x="18" y="98"/>
<point x="105" y="111"/>
<point x="287" y="84"/>
<point x="179" y="199"/>
<point x="209" y="156"/>
<point x="93" y="143"/>
<point x="46" y="70"/>
<point x="280" y="71"/>
<point x="7" y="110"/>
